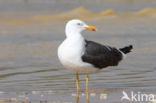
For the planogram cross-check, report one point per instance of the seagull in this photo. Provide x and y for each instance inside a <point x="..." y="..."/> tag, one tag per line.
<point x="84" y="56"/>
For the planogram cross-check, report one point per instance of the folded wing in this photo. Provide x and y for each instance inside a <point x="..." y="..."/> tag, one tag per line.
<point x="101" y="56"/>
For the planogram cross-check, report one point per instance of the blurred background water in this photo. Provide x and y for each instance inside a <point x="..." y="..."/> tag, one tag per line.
<point x="31" y="30"/>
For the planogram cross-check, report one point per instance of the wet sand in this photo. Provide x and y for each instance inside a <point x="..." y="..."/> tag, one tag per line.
<point x="31" y="72"/>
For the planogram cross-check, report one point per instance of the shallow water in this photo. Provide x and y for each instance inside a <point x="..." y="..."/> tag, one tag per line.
<point x="30" y="70"/>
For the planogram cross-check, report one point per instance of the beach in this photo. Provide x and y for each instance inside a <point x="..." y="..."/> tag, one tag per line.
<point x="31" y="31"/>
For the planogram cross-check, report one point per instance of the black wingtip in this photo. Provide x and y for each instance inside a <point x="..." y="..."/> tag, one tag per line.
<point x="127" y="49"/>
<point x="131" y="46"/>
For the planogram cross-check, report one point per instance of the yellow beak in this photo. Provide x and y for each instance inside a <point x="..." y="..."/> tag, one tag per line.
<point x="91" y="28"/>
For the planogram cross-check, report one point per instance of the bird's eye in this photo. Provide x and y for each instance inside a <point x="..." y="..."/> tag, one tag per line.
<point x="79" y="24"/>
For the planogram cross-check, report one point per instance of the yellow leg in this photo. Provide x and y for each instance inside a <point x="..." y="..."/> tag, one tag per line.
<point x="77" y="85"/>
<point x="77" y="81"/>
<point x="87" y="91"/>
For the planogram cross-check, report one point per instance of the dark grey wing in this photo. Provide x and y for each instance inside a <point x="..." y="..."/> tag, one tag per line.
<point x="101" y="56"/>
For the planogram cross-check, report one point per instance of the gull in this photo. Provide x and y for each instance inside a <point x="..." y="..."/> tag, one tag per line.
<point x="84" y="56"/>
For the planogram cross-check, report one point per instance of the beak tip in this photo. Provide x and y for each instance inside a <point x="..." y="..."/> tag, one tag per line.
<point x="91" y="28"/>
<point x="94" y="30"/>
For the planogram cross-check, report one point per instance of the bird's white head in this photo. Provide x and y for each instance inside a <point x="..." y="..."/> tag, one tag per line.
<point x="76" y="26"/>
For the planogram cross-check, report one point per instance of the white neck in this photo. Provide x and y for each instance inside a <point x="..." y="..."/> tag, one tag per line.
<point x="73" y="34"/>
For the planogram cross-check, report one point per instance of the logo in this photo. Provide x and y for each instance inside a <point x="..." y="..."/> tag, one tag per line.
<point x="125" y="96"/>
<point x="138" y="96"/>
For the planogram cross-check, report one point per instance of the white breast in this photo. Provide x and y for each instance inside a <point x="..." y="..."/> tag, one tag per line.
<point x="71" y="50"/>
<point x="70" y="53"/>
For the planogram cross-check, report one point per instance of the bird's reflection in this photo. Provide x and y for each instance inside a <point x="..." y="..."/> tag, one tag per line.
<point x="87" y="90"/>
<point x="77" y="97"/>
<point x="87" y="96"/>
